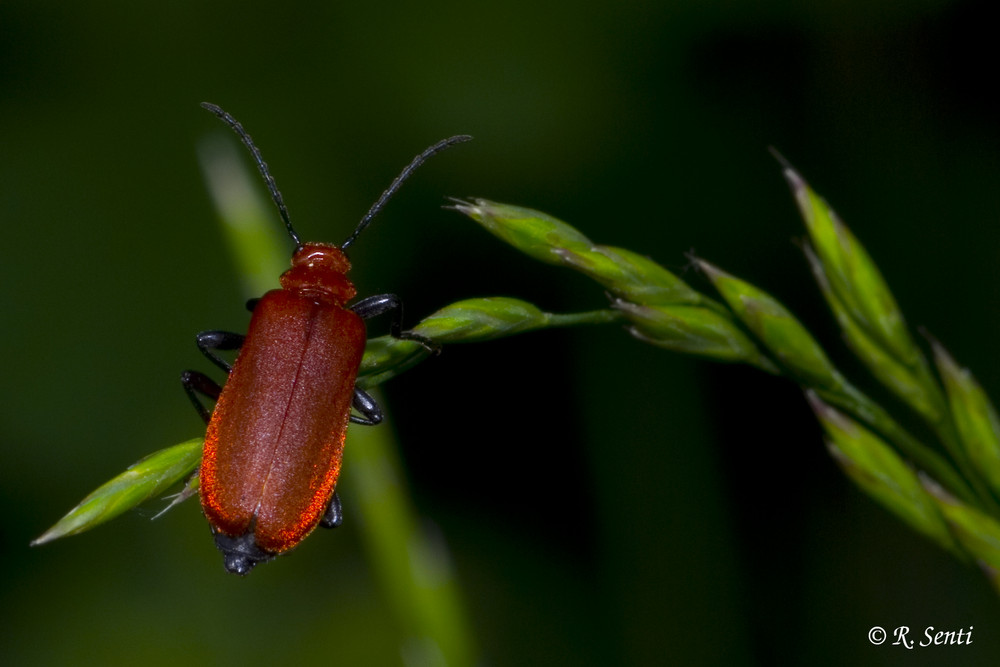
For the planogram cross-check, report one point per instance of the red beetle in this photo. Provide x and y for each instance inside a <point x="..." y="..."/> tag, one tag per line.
<point x="275" y="439"/>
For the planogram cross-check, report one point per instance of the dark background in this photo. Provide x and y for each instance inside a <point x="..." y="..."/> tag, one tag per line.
<point x="605" y="502"/>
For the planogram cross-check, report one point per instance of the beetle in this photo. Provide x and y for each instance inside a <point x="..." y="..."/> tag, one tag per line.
<point x="275" y="439"/>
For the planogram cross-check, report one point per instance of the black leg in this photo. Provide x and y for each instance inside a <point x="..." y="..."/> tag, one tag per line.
<point x="196" y="383"/>
<point x="366" y="405"/>
<point x="334" y="513"/>
<point x="219" y="340"/>
<point x="252" y="303"/>
<point x="379" y="304"/>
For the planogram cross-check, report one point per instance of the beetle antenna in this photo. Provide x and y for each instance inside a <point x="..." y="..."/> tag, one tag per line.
<point x="272" y="187"/>
<point x="403" y="175"/>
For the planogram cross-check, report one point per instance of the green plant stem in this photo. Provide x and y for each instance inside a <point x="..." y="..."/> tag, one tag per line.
<point x="409" y="557"/>
<point x="605" y="316"/>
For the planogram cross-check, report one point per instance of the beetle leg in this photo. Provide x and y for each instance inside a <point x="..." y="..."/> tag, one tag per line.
<point x="366" y="405"/>
<point x="219" y="340"/>
<point x="198" y="383"/>
<point x="379" y="304"/>
<point x="252" y="303"/>
<point x="334" y="515"/>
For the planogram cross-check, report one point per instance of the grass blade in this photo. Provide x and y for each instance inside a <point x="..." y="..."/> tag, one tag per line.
<point x="881" y="473"/>
<point x="143" y="480"/>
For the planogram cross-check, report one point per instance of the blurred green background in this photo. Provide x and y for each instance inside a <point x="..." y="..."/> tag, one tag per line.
<point x="604" y="502"/>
